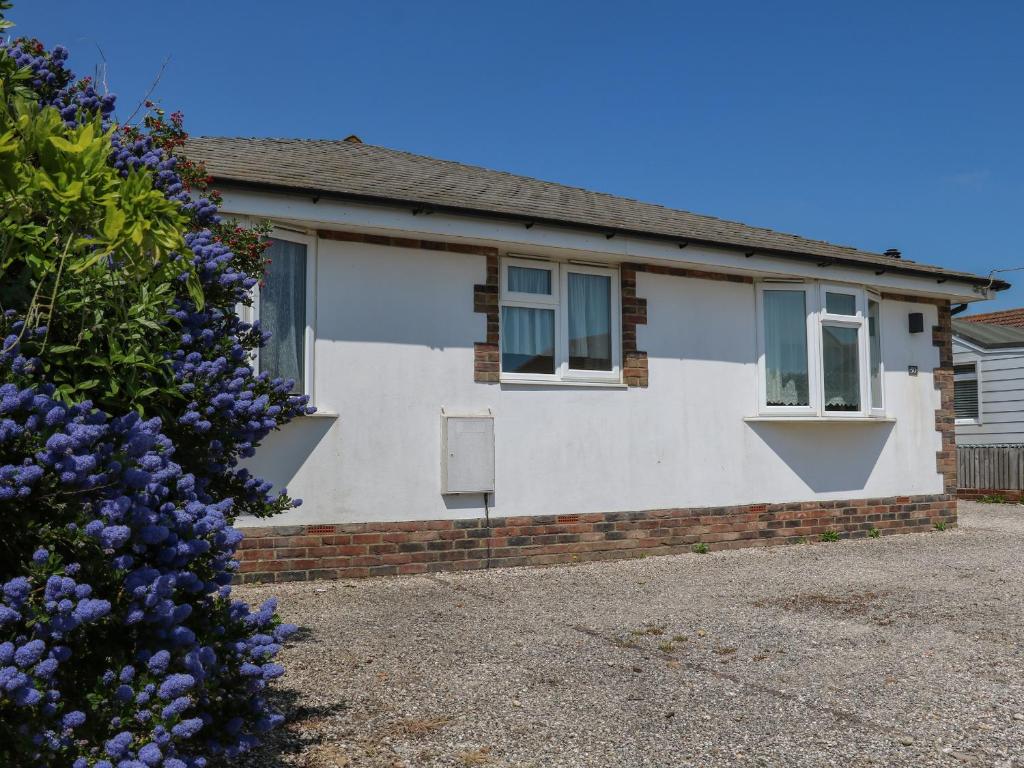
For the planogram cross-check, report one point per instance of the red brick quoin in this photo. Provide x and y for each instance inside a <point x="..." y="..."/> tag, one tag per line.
<point x="300" y="553"/>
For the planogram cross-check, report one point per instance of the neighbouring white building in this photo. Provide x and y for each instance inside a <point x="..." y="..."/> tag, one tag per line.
<point x="988" y="402"/>
<point x="988" y="374"/>
<point x="509" y="371"/>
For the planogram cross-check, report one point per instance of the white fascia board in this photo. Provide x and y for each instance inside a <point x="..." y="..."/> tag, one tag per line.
<point x="300" y="210"/>
<point x="975" y="347"/>
<point x="968" y="344"/>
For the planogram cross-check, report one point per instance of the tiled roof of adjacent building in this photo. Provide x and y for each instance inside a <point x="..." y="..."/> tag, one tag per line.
<point x="988" y="335"/>
<point x="1009" y="317"/>
<point x="357" y="171"/>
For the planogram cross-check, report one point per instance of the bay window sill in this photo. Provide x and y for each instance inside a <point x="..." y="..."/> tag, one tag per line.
<point x="562" y="383"/>
<point x="791" y="419"/>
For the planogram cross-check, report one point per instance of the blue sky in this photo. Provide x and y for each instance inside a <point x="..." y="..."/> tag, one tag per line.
<point x="875" y="124"/>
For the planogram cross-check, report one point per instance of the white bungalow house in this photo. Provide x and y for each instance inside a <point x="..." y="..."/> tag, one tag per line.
<point x="511" y="372"/>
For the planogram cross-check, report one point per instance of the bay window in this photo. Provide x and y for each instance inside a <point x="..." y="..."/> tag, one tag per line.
<point x="819" y="350"/>
<point x="559" y="322"/>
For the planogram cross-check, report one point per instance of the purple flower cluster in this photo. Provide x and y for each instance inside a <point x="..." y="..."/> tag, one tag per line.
<point x="162" y="551"/>
<point x="120" y="643"/>
<point x="230" y="408"/>
<point x="133" y="154"/>
<point x="76" y="100"/>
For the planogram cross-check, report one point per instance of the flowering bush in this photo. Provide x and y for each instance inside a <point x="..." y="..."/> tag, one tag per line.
<point x="126" y="403"/>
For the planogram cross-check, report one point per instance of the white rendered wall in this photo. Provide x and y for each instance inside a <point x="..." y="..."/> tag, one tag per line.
<point x="395" y="333"/>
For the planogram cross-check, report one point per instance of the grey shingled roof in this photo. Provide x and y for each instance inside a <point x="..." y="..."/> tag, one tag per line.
<point x="377" y="174"/>
<point x="988" y="335"/>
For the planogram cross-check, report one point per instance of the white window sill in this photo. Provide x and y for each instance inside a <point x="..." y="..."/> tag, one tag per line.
<point x="562" y="383"/>
<point x="967" y="422"/>
<point x="790" y="419"/>
<point x="322" y="415"/>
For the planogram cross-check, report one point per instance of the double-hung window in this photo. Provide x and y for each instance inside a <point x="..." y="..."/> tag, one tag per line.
<point x="283" y="306"/>
<point x="820" y="350"/>
<point x="966" y="403"/>
<point x="559" y="322"/>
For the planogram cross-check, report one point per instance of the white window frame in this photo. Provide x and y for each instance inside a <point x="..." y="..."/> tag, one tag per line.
<point x="976" y="376"/>
<point x="538" y="300"/>
<point x="817" y="319"/>
<point x="859" y="322"/>
<point x="877" y="409"/>
<point x="813" y="373"/>
<point x="558" y="302"/>
<point x="252" y="314"/>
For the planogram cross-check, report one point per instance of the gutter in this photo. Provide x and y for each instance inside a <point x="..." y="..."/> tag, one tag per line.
<point x="419" y="207"/>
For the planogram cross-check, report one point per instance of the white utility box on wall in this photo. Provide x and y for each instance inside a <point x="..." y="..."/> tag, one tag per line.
<point x="467" y="453"/>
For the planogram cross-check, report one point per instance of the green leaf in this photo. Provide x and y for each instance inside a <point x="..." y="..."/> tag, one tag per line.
<point x="85" y="138"/>
<point x="64" y="145"/>
<point x="114" y="222"/>
<point x="91" y="261"/>
<point x="71" y="192"/>
<point x="195" y="290"/>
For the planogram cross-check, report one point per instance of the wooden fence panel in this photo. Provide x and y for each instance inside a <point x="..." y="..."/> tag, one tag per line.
<point x="990" y="467"/>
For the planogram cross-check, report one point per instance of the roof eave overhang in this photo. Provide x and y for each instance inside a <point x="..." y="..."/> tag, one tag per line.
<point x="894" y="268"/>
<point x="1001" y="346"/>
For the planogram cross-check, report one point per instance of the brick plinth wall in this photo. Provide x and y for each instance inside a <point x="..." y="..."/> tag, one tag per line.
<point x="299" y="553"/>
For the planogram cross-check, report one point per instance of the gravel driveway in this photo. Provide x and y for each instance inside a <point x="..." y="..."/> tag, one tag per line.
<point x="901" y="651"/>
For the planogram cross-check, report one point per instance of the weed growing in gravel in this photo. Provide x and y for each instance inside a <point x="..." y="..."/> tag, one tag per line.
<point x="800" y="540"/>
<point x="667" y="647"/>
<point x="830" y="535"/>
<point x="993" y="498"/>
<point x="420" y="726"/>
<point x="700" y="548"/>
<point x="939" y="525"/>
<point x="649" y="629"/>
<point x="874" y="533"/>
<point x="679" y="638"/>
<point x="480" y="756"/>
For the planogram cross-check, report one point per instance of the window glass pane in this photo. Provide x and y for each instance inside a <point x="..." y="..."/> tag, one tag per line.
<point x="785" y="347"/>
<point x="842" y="376"/>
<point x="875" y="344"/>
<point x="840" y="303"/>
<point x="965" y="392"/>
<point x="527" y="340"/>
<point x="528" y="280"/>
<point x="590" y="318"/>
<point x="283" y="312"/>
